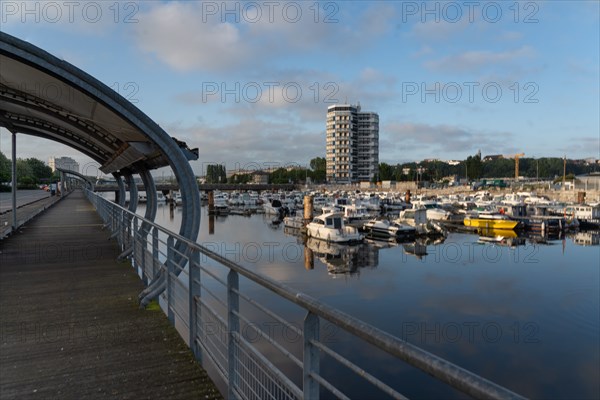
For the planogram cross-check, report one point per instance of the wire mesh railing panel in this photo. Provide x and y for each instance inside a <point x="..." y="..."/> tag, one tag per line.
<point x="256" y="378"/>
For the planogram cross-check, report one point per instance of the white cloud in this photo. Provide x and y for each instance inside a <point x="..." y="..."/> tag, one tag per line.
<point x="440" y="141"/>
<point x="301" y="95"/>
<point x="185" y="37"/>
<point x="251" y="141"/>
<point x="510" y="36"/>
<point x="441" y="30"/>
<point x="470" y="61"/>
<point x="175" y="33"/>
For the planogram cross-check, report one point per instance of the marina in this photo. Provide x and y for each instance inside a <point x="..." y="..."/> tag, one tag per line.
<point x="427" y="289"/>
<point x="270" y="207"/>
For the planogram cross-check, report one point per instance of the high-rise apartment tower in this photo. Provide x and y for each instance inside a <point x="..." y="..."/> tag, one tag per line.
<point x="352" y="144"/>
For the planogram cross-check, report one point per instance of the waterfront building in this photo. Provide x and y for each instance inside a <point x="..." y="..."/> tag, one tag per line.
<point x="352" y="144"/>
<point x="63" y="163"/>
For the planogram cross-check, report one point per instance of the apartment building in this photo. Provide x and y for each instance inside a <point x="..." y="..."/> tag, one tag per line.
<point x="352" y="144"/>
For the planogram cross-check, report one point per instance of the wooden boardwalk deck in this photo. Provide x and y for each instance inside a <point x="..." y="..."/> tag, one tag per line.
<point x="70" y="325"/>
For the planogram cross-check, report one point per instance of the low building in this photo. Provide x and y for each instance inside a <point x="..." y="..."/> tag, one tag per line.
<point x="260" y="178"/>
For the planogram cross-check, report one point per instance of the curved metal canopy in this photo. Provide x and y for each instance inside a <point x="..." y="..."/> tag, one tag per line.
<point x="43" y="96"/>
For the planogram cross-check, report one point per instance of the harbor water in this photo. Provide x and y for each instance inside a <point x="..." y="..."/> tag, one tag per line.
<point x="522" y="312"/>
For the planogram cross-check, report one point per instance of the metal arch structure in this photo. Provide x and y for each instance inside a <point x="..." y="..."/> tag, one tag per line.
<point x="82" y="177"/>
<point x="120" y="195"/>
<point x="44" y="96"/>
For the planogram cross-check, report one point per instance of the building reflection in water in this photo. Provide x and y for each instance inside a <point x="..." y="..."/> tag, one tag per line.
<point x="587" y="238"/>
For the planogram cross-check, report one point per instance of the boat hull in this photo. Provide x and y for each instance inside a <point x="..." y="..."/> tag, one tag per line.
<point x="331" y="235"/>
<point x="490" y="223"/>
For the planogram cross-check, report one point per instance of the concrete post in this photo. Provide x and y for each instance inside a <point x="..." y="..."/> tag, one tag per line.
<point x="308" y="208"/>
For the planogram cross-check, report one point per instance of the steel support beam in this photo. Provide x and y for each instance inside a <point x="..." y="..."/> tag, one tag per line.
<point x="151" y="196"/>
<point x="14" y="181"/>
<point x="120" y="196"/>
<point x="133" y="192"/>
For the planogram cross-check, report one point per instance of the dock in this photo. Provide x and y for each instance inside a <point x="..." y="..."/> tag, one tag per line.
<point x="71" y="326"/>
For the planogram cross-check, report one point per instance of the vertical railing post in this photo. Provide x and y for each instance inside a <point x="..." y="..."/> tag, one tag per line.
<point x="123" y="228"/>
<point x="311" y="356"/>
<point x="194" y="308"/>
<point x="134" y="262"/>
<point x="170" y="271"/>
<point x="155" y="259"/>
<point x="113" y="226"/>
<point x="113" y="220"/>
<point x="233" y="324"/>
<point x="127" y="220"/>
<point x="143" y="251"/>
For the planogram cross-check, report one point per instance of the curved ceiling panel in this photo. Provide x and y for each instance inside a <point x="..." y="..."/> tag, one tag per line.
<point x="48" y="97"/>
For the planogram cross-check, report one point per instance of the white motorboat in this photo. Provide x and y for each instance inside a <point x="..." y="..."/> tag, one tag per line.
<point x="434" y="211"/>
<point x="331" y="227"/>
<point x="273" y="207"/>
<point x="387" y="228"/>
<point x="415" y="217"/>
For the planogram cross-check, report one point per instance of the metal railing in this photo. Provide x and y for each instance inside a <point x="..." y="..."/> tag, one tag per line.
<point x="218" y="317"/>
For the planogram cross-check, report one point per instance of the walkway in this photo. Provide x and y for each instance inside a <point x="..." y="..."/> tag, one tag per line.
<point x="70" y="325"/>
<point x="25" y="212"/>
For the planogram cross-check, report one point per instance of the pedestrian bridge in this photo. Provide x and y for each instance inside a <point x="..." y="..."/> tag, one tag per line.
<point x="71" y="322"/>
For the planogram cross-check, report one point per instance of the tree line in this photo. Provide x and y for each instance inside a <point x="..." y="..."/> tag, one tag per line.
<point x="215" y="173"/>
<point x="476" y="168"/>
<point x="30" y="172"/>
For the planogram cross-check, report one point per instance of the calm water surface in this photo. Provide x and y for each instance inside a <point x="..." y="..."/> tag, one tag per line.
<point x="526" y="317"/>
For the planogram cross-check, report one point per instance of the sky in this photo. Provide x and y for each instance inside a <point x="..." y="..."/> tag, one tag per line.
<point x="249" y="83"/>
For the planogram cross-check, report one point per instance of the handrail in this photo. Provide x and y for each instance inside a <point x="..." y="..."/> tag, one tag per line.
<point x="445" y="371"/>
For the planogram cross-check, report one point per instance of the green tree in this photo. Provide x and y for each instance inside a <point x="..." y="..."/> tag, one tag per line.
<point x="24" y="171"/>
<point x="318" y="165"/>
<point x="386" y="172"/>
<point x="39" y="170"/>
<point x="241" y="178"/>
<point x="474" y="167"/>
<point x="279" y="176"/>
<point x="215" y="173"/>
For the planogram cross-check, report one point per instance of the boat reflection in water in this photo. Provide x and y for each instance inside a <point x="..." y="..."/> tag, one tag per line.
<point x="501" y="237"/>
<point x="341" y="259"/>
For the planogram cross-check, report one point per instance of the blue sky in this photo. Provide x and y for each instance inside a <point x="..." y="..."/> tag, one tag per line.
<point x="250" y="82"/>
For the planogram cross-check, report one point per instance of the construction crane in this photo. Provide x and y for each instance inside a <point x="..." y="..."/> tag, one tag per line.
<point x="516" y="157"/>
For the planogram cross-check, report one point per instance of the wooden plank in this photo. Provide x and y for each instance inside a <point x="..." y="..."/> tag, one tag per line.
<point x="70" y="322"/>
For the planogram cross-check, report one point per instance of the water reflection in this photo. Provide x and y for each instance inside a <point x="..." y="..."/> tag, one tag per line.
<point x="342" y="259"/>
<point x="590" y="238"/>
<point x="531" y="301"/>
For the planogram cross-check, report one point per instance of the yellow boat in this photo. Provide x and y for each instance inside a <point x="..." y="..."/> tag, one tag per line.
<point x="491" y="221"/>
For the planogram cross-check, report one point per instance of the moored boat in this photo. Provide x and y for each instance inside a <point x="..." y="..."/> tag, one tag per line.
<point x="387" y="228"/>
<point x="331" y="227"/>
<point x="490" y="221"/>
